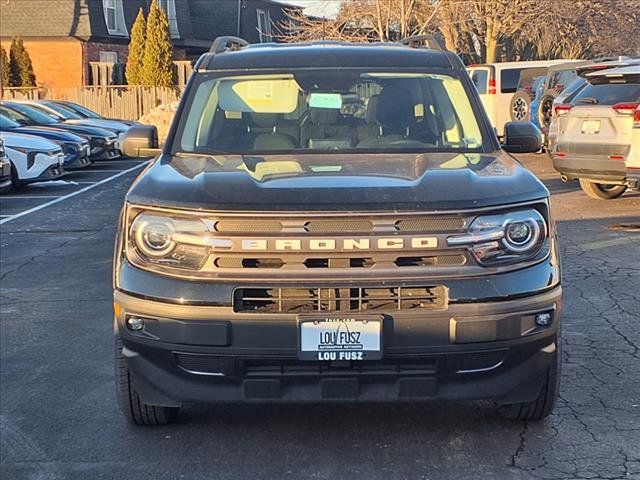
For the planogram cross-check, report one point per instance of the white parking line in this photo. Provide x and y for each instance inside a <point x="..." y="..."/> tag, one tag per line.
<point x="72" y="194"/>
<point x="4" y="197"/>
<point x="95" y="171"/>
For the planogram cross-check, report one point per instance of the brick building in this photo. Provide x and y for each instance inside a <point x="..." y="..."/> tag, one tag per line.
<point x="85" y="42"/>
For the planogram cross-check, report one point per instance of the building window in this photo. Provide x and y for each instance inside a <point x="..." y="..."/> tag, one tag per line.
<point x="169" y="6"/>
<point x="264" y="26"/>
<point x="114" y="17"/>
<point x="109" y="57"/>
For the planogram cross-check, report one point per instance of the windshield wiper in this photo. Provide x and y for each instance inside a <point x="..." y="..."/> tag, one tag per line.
<point x="589" y="100"/>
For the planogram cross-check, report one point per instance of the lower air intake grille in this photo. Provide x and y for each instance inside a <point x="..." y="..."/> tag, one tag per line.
<point x="359" y="299"/>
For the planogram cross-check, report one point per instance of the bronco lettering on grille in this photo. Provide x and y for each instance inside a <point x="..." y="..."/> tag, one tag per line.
<point x="339" y="244"/>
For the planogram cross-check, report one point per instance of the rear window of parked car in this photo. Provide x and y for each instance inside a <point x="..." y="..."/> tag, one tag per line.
<point x="608" y="93"/>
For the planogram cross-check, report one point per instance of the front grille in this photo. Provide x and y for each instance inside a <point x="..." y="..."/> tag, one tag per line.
<point x="358" y="299"/>
<point x="248" y="226"/>
<point x="435" y="224"/>
<point x="339" y="226"/>
<point x="301" y="261"/>
<point x="309" y="225"/>
<point x="294" y="368"/>
<point x="291" y="367"/>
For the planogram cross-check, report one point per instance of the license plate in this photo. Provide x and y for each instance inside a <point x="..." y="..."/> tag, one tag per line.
<point x="591" y="127"/>
<point x="339" y="337"/>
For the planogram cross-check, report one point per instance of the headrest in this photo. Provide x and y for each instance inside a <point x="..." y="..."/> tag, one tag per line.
<point x="395" y="108"/>
<point x="265" y="119"/>
<point x="324" y="116"/>
<point x="372" y="107"/>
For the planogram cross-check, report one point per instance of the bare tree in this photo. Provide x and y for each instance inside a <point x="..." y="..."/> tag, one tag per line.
<point x="488" y="30"/>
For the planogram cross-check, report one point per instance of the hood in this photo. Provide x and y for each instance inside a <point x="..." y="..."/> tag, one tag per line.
<point x="336" y="182"/>
<point x="81" y="130"/>
<point x="51" y="134"/>
<point x="27" y="141"/>
<point x="100" y="123"/>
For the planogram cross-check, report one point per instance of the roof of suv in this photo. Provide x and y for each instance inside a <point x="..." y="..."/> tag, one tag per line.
<point x="329" y="54"/>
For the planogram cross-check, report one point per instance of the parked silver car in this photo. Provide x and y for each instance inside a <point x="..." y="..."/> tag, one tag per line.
<point x="597" y="141"/>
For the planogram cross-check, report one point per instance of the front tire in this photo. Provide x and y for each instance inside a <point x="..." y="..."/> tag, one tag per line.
<point x="602" y="191"/>
<point x="133" y="408"/>
<point x="542" y="406"/>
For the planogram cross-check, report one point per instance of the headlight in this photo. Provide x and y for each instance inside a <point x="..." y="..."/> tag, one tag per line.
<point x="508" y="238"/>
<point x="158" y="240"/>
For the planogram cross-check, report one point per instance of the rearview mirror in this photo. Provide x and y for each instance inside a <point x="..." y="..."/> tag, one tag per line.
<point x="522" y="137"/>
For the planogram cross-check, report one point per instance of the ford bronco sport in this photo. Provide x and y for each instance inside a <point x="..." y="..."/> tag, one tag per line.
<point x="336" y="222"/>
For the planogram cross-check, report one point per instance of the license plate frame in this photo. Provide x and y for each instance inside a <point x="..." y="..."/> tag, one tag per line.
<point x="339" y="337"/>
<point x="591" y="127"/>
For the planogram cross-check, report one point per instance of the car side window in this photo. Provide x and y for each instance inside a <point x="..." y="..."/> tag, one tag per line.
<point x="509" y="79"/>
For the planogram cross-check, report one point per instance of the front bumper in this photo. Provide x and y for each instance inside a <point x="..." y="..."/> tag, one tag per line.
<point x="78" y="160"/>
<point x="597" y="168"/>
<point x="5" y="176"/>
<point x="51" y="173"/>
<point x="107" y="151"/>
<point x="479" y="350"/>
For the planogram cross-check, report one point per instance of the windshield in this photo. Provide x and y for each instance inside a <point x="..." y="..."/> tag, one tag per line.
<point x="33" y="116"/>
<point x="6" y="123"/>
<point x="64" y="112"/>
<point x="80" y="110"/>
<point x="321" y="110"/>
<point x="624" y="90"/>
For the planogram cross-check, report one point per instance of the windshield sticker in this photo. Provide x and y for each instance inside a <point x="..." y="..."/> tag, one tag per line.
<point x="325" y="100"/>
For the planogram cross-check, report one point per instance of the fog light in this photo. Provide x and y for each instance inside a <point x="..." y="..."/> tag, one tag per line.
<point x="543" y="319"/>
<point x="135" y="323"/>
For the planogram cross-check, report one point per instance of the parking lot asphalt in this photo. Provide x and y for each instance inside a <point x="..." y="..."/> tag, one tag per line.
<point x="58" y="412"/>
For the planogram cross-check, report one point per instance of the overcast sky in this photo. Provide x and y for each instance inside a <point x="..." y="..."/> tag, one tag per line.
<point x="320" y="8"/>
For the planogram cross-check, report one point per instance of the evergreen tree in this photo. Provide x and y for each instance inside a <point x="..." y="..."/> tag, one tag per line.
<point x="157" y="67"/>
<point x="20" y="67"/>
<point x="4" y="68"/>
<point x="136" y="50"/>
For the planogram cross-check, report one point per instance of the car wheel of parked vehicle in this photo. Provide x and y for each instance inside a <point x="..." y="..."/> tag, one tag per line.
<point x="542" y="406"/>
<point x="521" y="106"/>
<point x="15" y="179"/>
<point x="133" y="408"/>
<point x="546" y="108"/>
<point x="602" y="191"/>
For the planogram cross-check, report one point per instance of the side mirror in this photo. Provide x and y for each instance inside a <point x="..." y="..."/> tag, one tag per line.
<point x="522" y="137"/>
<point x="140" y="141"/>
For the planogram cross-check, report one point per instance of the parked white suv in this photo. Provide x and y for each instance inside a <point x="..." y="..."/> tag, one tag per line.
<point x="598" y="133"/>
<point x="33" y="159"/>
<point x="498" y="82"/>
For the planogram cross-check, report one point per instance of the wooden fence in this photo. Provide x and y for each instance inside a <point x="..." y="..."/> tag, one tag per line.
<point x="113" y="101"/>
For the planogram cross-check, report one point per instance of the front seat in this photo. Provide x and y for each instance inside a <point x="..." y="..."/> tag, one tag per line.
<point x="395" y="116"/>
<point x="267" y="135"/>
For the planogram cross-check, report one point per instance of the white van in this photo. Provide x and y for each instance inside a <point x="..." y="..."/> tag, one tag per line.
<point x="496" y="84"/>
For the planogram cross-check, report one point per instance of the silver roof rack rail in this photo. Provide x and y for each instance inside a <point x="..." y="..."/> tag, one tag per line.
<point x="223" y="44"/>
<point x="429" y="41"/>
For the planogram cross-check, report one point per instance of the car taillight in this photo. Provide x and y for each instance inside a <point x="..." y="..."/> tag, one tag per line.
<point x="636" y="118"/>
<point x="627" y="108"/>
<point x="562" y="109"/>
<point x="492" y="87"/>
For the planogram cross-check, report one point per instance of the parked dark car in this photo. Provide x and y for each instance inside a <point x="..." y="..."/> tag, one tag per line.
<point x="75" y="148"/>
<point x="140" y="137"/>
<point x="66" y="115"/>
<point x="336" y="222"/>
<point x="88" y="113"/>
<point x="104" y="143"/>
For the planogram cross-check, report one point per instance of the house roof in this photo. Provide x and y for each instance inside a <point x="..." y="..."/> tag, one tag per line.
<point x="45" y="18"/>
